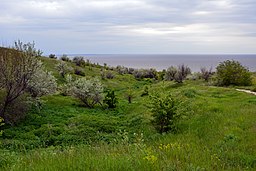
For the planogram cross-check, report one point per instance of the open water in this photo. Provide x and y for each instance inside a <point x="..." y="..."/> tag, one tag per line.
<point x="160" y="62"/>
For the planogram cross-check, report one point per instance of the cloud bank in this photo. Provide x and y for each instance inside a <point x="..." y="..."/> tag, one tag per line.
<point x="131" y="26"/>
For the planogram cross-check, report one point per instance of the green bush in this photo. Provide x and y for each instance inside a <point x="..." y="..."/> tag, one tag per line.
<point x="110" y="99"/>
<point x="233" y="73"/>
<point x="1" y="124"/>
<point x="145" y="91"/>
<point x="165" y="111"/>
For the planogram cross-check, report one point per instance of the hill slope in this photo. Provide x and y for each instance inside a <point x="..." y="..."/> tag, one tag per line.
<point x="218" y="132"/>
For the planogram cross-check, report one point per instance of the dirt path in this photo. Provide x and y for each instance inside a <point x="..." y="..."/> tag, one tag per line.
<point x="247" y="91"/>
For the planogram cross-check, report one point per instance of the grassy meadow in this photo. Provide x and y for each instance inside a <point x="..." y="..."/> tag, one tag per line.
<point x="217" y="131"/>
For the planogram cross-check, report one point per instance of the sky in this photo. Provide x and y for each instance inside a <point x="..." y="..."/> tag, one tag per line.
<point x="131" y="26"/>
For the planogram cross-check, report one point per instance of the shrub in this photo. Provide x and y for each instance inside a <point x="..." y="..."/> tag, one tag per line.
<point x="42" y="83"/>
<point x="165" y="112"/>
<point x="1" y="124"/>
<point x="63" y="68"/>
<point x="145" y="73"/>
<point x="88" y="91"/>
<point x="170" y="73"/>
<point x="206" y="74"/>
<point x="233" y="73"/>
<point x="65" y="58"/>
<point x="109" y="75"/>
<point x="129" y="95"/>
<point x="177" y="74"/>
<point x="110" y="99"/>
<point x="79" y="61"/>
<point x="79" y="71"/>
<point x="145" y="91"/>
<point x="52" y="56"/>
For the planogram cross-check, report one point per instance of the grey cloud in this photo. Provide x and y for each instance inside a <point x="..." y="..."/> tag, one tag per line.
<point x="129" y="25"/>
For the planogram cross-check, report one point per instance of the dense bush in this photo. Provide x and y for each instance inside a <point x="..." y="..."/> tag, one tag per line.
<point x="79" y="61"/>
<point x="206" y="74"/>
<point x="65" y="58"/>
<point x="145" y="73"/>
<point x="177" y="74"/>
<point x="165" y="111"/>
<point x="110" y="99"/>
<point x="233" y="73"/>
<point x="63" y="68"/>
<point x="79" y="71"/>
<point x="109" y="75"/>
<point x="53" y="56"/>
<point x="145" y="91"/>
<point x="42" y="83"/>
<point x="88" y="91"/>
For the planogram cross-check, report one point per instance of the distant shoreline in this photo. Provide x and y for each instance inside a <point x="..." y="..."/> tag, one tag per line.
<point x="163" y="61"/>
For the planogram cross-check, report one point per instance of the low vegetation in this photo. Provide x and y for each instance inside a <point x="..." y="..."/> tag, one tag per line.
<point x="136" y="120"/>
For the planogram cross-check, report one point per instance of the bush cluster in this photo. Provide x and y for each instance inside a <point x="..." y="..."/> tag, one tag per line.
<point x="233" y="73"/>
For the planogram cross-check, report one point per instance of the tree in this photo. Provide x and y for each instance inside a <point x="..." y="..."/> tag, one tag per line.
<point x="63" y="68"/>
<point x="88" y="91"/>
<point x="53" y="56"/>
<point x="206" y="74"/>
<point x="177" y="74"/>
<point x="170" y="73"/>
<point x="42" y="83"/>
<point x="233" y="73"/>
<point x="129" y="95"/>
<point x="164" y="111"/>
<point x="18" y="67"/>
<point x="65" y="57"/>
<point x="110" y="99"/>
<point x="79" y="61"/>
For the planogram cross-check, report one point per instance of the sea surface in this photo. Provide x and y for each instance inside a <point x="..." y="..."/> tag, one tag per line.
<point x="160" y="62"/>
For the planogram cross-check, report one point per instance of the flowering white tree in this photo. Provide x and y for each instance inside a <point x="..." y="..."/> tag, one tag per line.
<point x="42" y="83"/>
<point x="88" y="91"/>
<point x="19" y="66"/>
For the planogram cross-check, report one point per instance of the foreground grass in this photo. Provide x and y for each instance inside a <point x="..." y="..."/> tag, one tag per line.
<point x="218" y="133"/>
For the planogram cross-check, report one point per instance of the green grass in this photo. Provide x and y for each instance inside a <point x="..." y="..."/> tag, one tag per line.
<point x="217" y="132"/>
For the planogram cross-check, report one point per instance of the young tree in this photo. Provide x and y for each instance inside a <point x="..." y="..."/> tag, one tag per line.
<point x="170" y="73"/>
<point x="206" y="74"/>
<point x="129" y="95"/>
<point x="182" y="73"/>
<point x="145" y="91"/>
<point x="177" y="74"/>
<point x="110" y="99"/>
<point x="165" y="111"/>
<point x="63" y="68"/>
<point x="233" y="73"/>
<point x="79" y="61"/>
<point x="88" y="91"/>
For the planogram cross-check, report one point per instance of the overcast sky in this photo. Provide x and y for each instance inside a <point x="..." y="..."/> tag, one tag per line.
<point x="131" y="26"/>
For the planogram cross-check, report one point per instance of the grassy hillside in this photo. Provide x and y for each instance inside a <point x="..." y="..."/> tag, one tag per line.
<point x="217" y="132"/>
